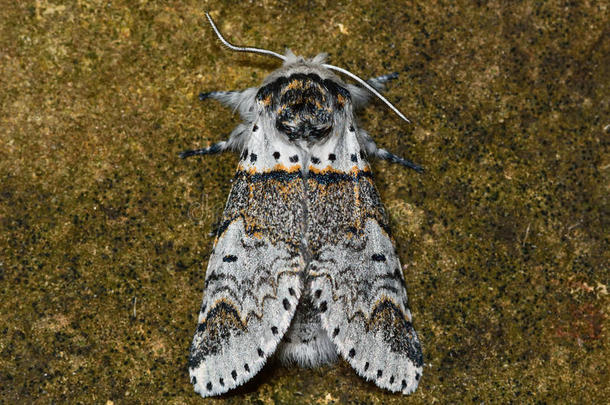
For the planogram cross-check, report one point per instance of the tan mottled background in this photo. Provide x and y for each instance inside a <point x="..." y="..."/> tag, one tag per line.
<point x="104" y="232"/>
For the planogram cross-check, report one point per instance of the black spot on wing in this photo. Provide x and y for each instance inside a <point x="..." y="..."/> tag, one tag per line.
<point x="247" y="367"/>
<point x="209" y="386"/>
<point x="315" y="160"/>
<point x="229" y="259"/>
<point x="253" y="157"/>
<point x="234" y="374"/>
<point x="397" y="273"/>
<point x="274" y="330"/>
<point x="276" y="155"/>
<point x="379" y="373"/>
<point x="335" y="332"/>
<point x="354" y="158"/>
<point x="378" y="257"/>
<point x="286" y="304"/>
<point x="352" y="353"/>
<point x="332" y="157"/>
<point x="294" y="158"/>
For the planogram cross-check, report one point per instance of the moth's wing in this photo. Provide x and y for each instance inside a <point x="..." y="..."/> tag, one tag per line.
<point x="253" y="281"/>
<point x="356" y="276"/>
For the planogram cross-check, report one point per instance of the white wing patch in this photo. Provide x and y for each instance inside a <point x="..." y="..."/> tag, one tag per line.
<point x="357" y="283"/>
<point x="341" y="153"/>
<point x="266" y="151"/>
<point x="362" y="300"/>
<point x="253" y="281"/>
<point x="252" y="291"/>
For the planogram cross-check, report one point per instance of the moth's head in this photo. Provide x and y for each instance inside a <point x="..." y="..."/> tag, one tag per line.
<point x="304" y="92"/>
<point x="303" y="103"/>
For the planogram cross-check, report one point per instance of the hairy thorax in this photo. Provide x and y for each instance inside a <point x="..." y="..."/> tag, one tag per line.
<point x="304" y="105"/>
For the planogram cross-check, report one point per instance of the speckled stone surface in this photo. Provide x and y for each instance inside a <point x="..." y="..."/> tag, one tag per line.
<point x="104" y="232"/>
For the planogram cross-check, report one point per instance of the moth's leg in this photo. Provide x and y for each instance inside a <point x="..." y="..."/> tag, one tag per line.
<point x="221" y="96"/>
<point x="215" y="148"/>
<point x="234" y="142"/>
<point x="361" y="96"/>
<point x="379" y="82"/>
<point x="372" y="150"/>
<point x="240" y="100"/>
<point x="389" y="156"/>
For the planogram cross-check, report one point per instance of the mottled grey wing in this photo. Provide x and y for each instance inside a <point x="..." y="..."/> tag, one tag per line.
<point x="355" y="274"/>
<point x="253" y="281"/>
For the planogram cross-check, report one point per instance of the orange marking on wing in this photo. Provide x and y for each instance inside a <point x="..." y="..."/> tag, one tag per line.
<point x="228" y="318"/>
<point x="356" y="169"/>
<point x="281" y="167"/>
<point x="326" y="170"/>
<point x="277" y="167"/>
<point x="383" y="299"/>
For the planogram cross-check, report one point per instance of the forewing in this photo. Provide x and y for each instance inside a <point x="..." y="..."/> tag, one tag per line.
<point x="253" y="280"/>
<point x="355" y="273"/>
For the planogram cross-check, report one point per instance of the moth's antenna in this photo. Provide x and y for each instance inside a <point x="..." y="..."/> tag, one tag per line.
<point x="282" y="57"/>
<point x="241" y="48"/>
<point x="369" y="87"/>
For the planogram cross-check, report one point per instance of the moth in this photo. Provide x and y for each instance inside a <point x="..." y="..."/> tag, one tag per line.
<point x="303" y="266"/>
